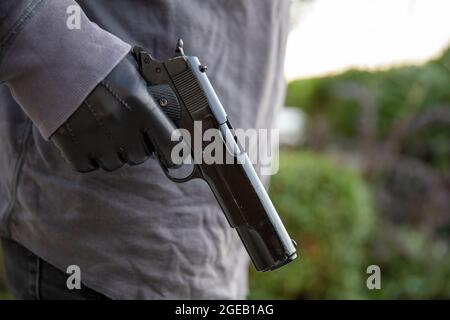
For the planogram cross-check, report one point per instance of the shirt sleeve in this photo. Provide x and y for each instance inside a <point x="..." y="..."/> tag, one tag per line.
<point x="52" y="56"/>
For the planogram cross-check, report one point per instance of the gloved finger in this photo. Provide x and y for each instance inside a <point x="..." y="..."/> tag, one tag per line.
<point x="127" y="140"/>
<point x="67" y="145"/>
<point x="135" y="151"/>
<point x="105" y="143"/>
<point x="109" y="162"/>
<point x="146" y="141"/>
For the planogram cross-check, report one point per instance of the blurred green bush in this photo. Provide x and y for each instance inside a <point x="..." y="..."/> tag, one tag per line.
<point x="410" y="103"/>
<point x="394" y="126"/>
<point x="327" y="209"/>
<point x="414" y="264"/>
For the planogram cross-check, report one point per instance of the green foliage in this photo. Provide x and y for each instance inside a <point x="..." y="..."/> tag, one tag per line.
<point x="318" y="96"/>
<point x="413" y="264"/>
<point x="398" y="95"/>
<point x="398" y="92"/>
<point x="396" y="124"/>
<point x="403" y="92"/>
<point x="328" y="210"/>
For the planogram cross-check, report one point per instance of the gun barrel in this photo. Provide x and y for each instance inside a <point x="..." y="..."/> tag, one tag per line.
<point x="249" y="209"/>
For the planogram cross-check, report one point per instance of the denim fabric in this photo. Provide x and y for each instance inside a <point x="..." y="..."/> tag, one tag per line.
<point x="31" y="278"/>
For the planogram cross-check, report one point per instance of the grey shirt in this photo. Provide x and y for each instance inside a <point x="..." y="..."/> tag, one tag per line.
<point x="133" y="233"/>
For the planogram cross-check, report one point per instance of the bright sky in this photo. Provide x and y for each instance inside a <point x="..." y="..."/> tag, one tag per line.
<point x="334" y="35"/>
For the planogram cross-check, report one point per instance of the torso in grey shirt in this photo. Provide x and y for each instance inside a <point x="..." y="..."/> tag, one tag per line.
<point x="134" y="233"/>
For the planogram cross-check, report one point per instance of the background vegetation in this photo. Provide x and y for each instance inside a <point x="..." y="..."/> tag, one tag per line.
<point x="372" y="187"/>
<point x="328" y="210"/>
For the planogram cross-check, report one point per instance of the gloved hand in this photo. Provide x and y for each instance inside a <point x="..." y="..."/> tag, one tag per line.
<point x="119" y="122"/>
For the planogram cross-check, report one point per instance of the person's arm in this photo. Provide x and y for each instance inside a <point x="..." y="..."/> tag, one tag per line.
<point x="49" y="68"/>
<point x="81" y="87"/>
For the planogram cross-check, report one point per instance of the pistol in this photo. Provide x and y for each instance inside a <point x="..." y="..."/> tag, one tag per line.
<point x="182" y="89"/>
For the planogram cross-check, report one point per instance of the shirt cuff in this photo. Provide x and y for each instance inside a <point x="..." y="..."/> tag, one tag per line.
<point x="53" y="65"/>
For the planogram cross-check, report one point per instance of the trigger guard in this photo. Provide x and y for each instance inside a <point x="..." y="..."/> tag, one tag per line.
<point x="195" y="174"/>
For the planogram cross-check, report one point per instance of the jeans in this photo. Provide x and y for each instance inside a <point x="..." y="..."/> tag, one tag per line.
<point x="30" y="278"/>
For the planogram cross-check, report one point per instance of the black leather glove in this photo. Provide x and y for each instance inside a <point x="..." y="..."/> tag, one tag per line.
<point x="119" y="122"/>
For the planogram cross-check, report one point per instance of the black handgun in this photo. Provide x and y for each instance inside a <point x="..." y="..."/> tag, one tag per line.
<point x="183" y="91"/>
